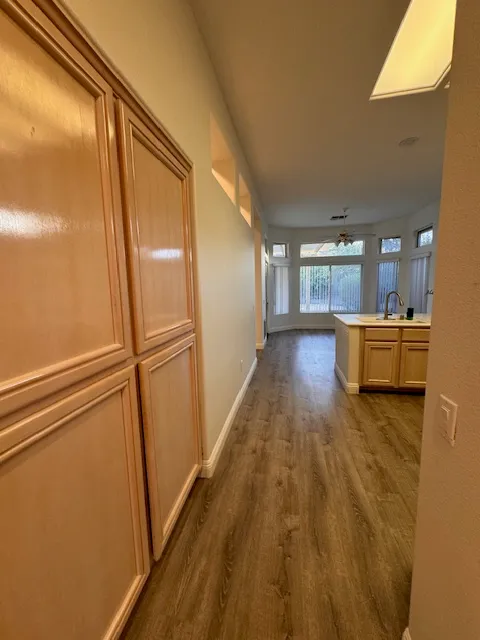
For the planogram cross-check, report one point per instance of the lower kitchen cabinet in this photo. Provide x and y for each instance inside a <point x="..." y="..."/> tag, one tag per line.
<point x="394" y="358"/>
<point x="168" y="391"/>
<point x="413" y="365"/>
<point x="380" y="364"/>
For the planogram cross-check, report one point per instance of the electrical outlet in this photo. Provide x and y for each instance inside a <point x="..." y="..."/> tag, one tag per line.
<point x="448" y="419"/>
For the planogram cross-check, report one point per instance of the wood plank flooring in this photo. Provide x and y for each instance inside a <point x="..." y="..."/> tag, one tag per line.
<point x="306" y="530"/>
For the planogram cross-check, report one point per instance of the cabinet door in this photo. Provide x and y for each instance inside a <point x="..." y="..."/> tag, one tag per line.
<point x="74" y="545"/>
<point x="413" y="365"/>
<point x="157" y="205"/>
<point x="380" y="364"/>
<point x="168" y="384"/>
<point x="61" y="248"/>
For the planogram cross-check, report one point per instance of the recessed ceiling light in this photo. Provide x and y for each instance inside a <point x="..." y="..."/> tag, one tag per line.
<point x="408" y="142"/>
<point x="421" y="54"/>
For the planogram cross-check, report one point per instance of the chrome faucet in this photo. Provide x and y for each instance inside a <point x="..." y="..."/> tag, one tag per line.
<point x="387" y="300"/>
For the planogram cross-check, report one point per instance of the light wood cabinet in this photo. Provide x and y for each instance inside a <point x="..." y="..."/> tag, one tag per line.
<point x="73" y="546"/>
<point x="64" y="307"/>
<point x="170" y="411"/>
<point x="413" y="365"/>
<point x="380" y="364"/>
<point x="81" y="276"/>
<point x="157" y="209"/>
<point x="395" y="358"/>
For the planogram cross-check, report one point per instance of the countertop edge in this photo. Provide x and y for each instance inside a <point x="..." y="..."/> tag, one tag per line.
<point x="351" y="320"/>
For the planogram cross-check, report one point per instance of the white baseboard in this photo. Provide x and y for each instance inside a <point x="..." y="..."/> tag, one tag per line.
<point x="406" y="635"/>
<point x="209" y="465"/>
<point x="308" y="327"/>
<point x="350" y="387"/>
<point x="277" y="329"/>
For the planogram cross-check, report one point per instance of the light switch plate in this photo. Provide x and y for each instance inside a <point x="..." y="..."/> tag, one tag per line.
<point x="448" y="419"/>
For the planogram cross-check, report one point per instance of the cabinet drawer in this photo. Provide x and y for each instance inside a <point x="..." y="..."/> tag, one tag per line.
<point x="416" y="335"/>
<point x="384" y="335"/>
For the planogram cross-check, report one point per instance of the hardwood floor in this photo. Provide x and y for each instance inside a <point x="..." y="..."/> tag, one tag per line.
<point x="306" y="530"/>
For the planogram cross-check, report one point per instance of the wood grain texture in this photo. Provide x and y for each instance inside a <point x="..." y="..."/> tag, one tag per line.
<point x="413" y="365"/>
<point x="380" y="364"/>
<point x="158" y="225"/>
<point x="306" y="529"/>
<point x="63" y="317"/>
<point x="169" y="401"/>
<point x="74" y="544"/>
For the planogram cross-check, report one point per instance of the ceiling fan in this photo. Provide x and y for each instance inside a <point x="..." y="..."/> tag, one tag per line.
<point x="345" y="237"/>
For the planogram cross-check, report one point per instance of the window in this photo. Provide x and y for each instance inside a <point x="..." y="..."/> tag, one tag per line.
<point x="425" y="237"/>
<point x="387" y="281"/>
<point x="390" y="245"/>
<point x="419" y="268"/>
<point x="279" y="251"/>
<point x="330" y="288"/>
<point x="280" y="277"/>
<point x="330" y="249"/>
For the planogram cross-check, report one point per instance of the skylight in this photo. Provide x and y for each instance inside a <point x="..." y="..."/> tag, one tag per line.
<point x="421" y="54"/>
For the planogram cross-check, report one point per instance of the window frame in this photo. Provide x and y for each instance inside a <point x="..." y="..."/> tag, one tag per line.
<point x="280" y="244"/>
<point x="338" y="262"/>
<point x="389" y="253"/>
<point x="419" y="232"/>
<point x="356" y="256"/>
<point x="359" y="259"/>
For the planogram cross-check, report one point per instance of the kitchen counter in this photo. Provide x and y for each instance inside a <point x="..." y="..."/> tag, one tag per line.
<point x="373" y="354"/>
<point x="420" y="321"/>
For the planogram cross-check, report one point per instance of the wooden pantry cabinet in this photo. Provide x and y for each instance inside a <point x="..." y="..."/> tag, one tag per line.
<point x="97" y="317"/>
<point x="157" y="208"/>
<point x="395" y="358"/>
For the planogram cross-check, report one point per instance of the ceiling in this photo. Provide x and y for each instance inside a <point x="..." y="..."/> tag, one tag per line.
<point x="297" y="76"/>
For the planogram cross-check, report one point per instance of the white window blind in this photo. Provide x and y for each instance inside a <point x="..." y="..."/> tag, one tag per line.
<point x="330" y="288"/>
<point x="387" y="281"/>
<point x="280" y="276"/>
<point x="419" y="268"/>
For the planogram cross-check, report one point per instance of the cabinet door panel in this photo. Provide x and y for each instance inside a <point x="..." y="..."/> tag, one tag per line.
<point x="74" y="552"/>
<point x="413" y="365"/>
<point x="61" y="314"/>
<point x="380" y="364"/>
<point x="170" y="414"/>
<point x="156" y="195"/>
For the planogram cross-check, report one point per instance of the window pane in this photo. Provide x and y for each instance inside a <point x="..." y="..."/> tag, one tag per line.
<point x="419" y="268"/>
<point x="329" y="249"/>
<point x="314" y="289"/>
<point x="330" y="288"/>
<point x="390" y="245"/>
<point x="280" y="275"/>
<point x="425" y="237"/>
<point x="346" y="288"/>
<point x="387" y="281"/>
<point x="279" y="250"/>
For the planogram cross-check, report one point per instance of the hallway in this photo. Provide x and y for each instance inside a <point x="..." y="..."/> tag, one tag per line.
<point x="306" y="529"/>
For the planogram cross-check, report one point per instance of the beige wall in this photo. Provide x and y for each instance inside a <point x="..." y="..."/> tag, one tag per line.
<point x="157" y="47"/>
<point x="446" y="575"/>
